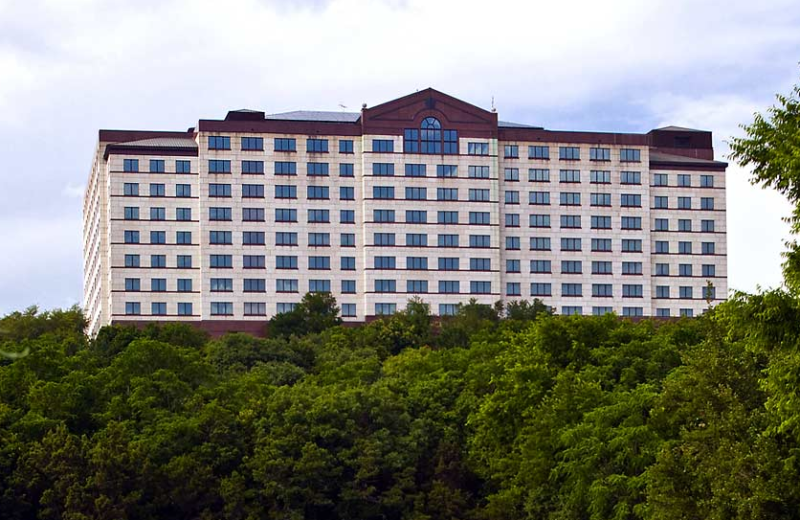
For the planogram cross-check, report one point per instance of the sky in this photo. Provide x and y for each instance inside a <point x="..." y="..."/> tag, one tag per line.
<point x="71" y="67"/>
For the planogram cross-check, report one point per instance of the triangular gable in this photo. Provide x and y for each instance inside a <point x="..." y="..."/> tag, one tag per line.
<point x="392" y="117"/>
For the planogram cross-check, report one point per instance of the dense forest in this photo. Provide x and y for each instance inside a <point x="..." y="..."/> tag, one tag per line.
<point x="500" y="413"/>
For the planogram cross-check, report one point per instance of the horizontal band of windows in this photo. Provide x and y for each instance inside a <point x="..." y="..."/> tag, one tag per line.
<point x="156" y="244"/>
<point x="128" y="175"/>
<point x="154" y="292"/>
<point x="155" y="197"/>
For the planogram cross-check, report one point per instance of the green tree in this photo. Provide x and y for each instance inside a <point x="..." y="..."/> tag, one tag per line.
<point x="315" y="313"/>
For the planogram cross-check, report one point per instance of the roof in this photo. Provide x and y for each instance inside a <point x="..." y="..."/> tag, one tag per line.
<point x="317" y="115"/>
<point x="509" y="124"/>
<point x="678" y="129"/>
<point x="668" y="158"/>
<point x="161" y="142"/>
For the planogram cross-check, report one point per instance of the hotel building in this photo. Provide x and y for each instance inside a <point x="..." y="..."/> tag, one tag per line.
<point x="232" y="221"/>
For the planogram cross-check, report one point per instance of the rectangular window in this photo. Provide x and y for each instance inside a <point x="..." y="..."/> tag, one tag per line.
<point x="183" y="237"/>
<point x="513" y="266"/>
<point x="449" y="264"/>
<point x="570" y="199"/>
<point x="131" y="237"/>
<point x="183" y="166"/>
<point x="570" y="221"/>
<point x="252" y="143"/>
<point x="599" y="154"/>
<point x="347" y="216"/>
<point x="183" y="190"/>
<point x="285" y="215"/>
<point x="416" y="193"/>
<point x="684" y="203"/>
<point x="706" y="181"/>
<point x="130" y="165"/>
<point x="383" y="215"/>
<point x="660" y="179"/>
<point x="252" y="167"/>
<point x="383" y="169"/>
<point x="132" y="284"/>
<point x="384" y="262"/>
<point x="222" y="285"/>
<point x="571" y="267"/>
<point x="630" y="155"/>
<point x="627" y="200"/>
<point x="219" y="190"/>
<point x="285" y="168"/>
<point x="662" y="269"/>
<point x="158" y="261"/>
<point x="346" y="170"/>
<point x="631" y="223"/>
<point x="540" y="221"/>
<point x="709" y="270"/>
<point x="630" y="177"/>
<point x="684" y="180"/>
<point x="480" y="218"/>
<point x="385" y="286"/>
<point x="538" y="175"/>
<point x="569" y="153"/>
<point x="385" y="309"/>
<point x="630" y="245"/>
<point x="416" y="240"/>
<point x="415" y="170"/>
<point x="219" y="166"/>
<point x="685" y="292"/>
<point x="511" y="174"/>
<point x="632" y="291"/>
<point x="157" y="190"/>
<point x="478" y="148"/>
<point x="602" y="290"/>
<point x="480" y="264"/>
<point x="221" y="261"/>
<point x="345" y="146"/>
<point x="131" y="213"/>
<point x="632" y="311"/>
<point x="347" y="263"/>
<point x="708" y="248"/>
<point x="662" y="247"/>
<point x="253" y="238"/>
<point x="511" y="151"/>
<point x="183" y="214"/>
<point x="478" y="195"/>
<point x="449" y="287"/>
<point x="287" y="285"/>
<point x="540" y="266"/>
<point x="632" y="268"/>
<point x="285" y="262"/>
<point x="383" y="145"/>
<point x="661" y="224"/>
<point x="512" y="219"/>
<point x="285" y="191"/>
<point x="600" y="177"/>
<point x="446" y="170"/>
<point x="386" y="239"/>
<point x="571" y="289"/>
<point x="220" y="237"/>
<point x="285" y="145"/>
<point x="541" y="289"/>
<point x="600" y="199"/>
<point x="479" y="287"/>
<point x="319" y="286"/>
<point x="255" y="309"/>
<point x="383" y="192"/>
<point x="539" y="198"/>
<point x="537" y="243"/>
<point x="480" y="241"/>
<point x="314" y="169"/>
<point x="662" y="292"/>
<point x="130" y="189"/>
<point x="601" y="267"/>
<point x="254" y="262"/>
<point x="661" y="202"/>
<point x="285" y="238"/>
<point x="349" y="310"/>
<point x="569" y="176"/>
<point x="601" y="222"/>
<point x="478" y="172"/>
<point x="318" y="193"/>
<point x="157" y="166"/>
<point x="219" y="142"/>
<point x="183" y="261"/>
<point x="133" y="308"/>
<point x="447" y="241"/>
<point x="570" y="244"/>
<point x="684" y="225"/>
<point x="602" y="245"/>
<point x="416" y="217"/>
<point x="685" y="248"/>
<point x="131" y="260"/>
<point x="417" y="263"/>
<point x="318" y="216"/>
<point x="317" y="145"/>
<point x="538" y="152"/>
<point x="184" y="285"/>
<point x="707" y="203"/>
<point x="221" y="309"/>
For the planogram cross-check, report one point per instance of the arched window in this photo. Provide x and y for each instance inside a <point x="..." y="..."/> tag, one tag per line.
<point x="430" y="138"/>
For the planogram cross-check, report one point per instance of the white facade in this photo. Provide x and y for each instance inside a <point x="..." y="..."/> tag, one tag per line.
<point x="486" y="228"/>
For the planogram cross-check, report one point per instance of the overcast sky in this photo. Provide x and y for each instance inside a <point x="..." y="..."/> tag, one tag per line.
<point x="70" y="67"/>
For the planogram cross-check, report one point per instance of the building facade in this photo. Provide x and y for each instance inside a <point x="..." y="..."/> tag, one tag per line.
<point x="234" y="220"/>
